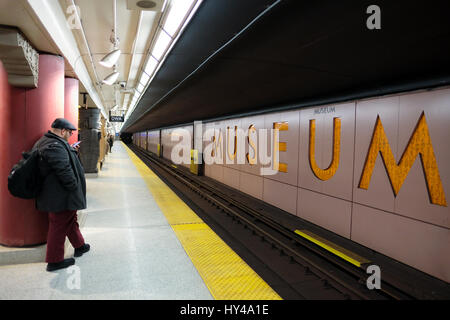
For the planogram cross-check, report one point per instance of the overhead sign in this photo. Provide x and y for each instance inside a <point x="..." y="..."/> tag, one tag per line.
<point x="116" y="119"/>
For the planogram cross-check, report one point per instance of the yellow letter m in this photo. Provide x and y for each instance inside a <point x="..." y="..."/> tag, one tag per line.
<point x="419" y="143"/>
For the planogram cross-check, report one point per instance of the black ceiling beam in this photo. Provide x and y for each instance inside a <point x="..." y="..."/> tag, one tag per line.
<point x="301" y="52"/>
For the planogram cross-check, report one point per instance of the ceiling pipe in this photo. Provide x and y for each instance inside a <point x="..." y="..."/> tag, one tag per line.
<point x="110" y="60"/>
<point x="89" y="52"/>
<point x="116" y="39"/>
<point x="115" y="22"/>
<point x="133" y="51"/>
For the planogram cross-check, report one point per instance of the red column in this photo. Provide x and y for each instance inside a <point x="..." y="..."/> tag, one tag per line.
<point x="5" y="129"/>
<point x="71" y="88"/>
<point x="31" y="112"/>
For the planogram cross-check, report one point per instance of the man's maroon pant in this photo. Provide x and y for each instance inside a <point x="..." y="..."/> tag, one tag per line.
<point x="62" y="224"/>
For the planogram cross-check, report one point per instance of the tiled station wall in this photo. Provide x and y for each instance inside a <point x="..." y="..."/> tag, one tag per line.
<point x="153" y="139"/>
<point x="170" y="138"/>
<point x="407" y="226"/>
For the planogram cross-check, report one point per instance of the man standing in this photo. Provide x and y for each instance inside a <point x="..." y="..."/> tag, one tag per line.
<point x="63" y="193"/>
<point x="110" y="141"/>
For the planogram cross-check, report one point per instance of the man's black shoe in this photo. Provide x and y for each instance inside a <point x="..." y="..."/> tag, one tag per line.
<point x="60" y="265"/>
<point x="83" y="249"/>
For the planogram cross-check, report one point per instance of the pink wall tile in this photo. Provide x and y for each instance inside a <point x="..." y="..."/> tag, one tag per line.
<point x="208" y="171"/>
<point x="420" y="245"/>
<point x="216" y="172"/>
<point x="341" y="184"/>
<point x="231" y="177"/>
<point x="220" y="142"/>
<point x="331" y="213"/>
<point x="413" y="199"/>
<point x="379" y="194"/>
<point x="251" y="184"/>
<point x="291" y="138"/>
<point x="153" y="141"/>
<point x="258" y="123"/>
<point x="280" y="195"/>
<point x="229" y="142"/>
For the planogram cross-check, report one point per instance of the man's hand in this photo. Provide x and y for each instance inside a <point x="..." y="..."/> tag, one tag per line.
<point x="76" y="146"/>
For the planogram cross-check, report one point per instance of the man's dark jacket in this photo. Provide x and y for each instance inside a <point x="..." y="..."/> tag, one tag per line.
<point x="64" y="184"/>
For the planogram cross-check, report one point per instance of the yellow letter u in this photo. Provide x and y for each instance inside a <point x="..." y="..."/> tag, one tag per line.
<point x="325" y="174"/>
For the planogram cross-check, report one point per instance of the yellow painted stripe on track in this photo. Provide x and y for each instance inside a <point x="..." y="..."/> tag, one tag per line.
<point x="225" y="274"/>
<point x="345" y="254"/>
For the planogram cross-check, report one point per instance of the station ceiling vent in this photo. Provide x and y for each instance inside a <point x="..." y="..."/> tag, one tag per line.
<point x="146" y="5"/>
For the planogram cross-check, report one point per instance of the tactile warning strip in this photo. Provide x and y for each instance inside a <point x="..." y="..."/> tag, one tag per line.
<point x="225" y="274"/>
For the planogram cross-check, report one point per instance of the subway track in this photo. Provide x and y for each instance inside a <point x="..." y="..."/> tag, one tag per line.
<point x="294" y="267"/>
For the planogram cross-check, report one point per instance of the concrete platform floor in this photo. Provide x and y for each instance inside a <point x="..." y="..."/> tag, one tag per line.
<point x="134" y="252"/>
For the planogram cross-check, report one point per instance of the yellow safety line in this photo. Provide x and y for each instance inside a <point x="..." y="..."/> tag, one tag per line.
<point x="333" y="248"/>
<point x="225" y="274"/>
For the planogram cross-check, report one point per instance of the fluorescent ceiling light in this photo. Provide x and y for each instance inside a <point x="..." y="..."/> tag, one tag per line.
<point x="151" y="65"/>
<point x="109" y="80"/>
<point x="140" y="87"/>
<point x="144" y="78"/>
<point x="177" y="19"/>
<point x="161" y="45"/>
<point x="110" y="59"/>
<point x="126" y="99"/>
<point x="176" y="15"/>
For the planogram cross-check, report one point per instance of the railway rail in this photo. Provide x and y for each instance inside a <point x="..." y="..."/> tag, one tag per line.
<point x="297" y="263"/>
